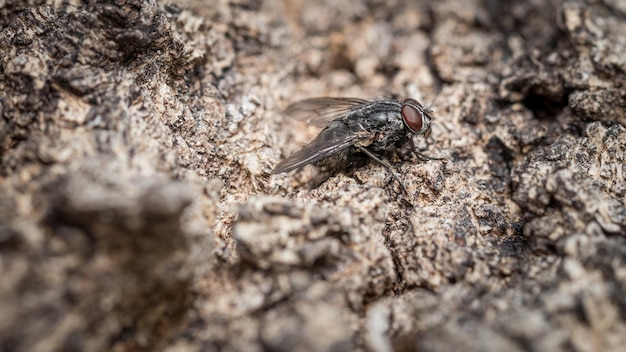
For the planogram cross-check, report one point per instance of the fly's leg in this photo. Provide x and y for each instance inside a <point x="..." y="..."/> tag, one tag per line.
<point x="385" y="164"/>
<point x="423" y="157"/>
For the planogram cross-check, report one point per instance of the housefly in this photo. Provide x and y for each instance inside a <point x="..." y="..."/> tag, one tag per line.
<point x="355" y="130"/>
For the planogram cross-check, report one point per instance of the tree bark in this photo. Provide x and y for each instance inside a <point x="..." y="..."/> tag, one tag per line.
<point x="137" y="209"/>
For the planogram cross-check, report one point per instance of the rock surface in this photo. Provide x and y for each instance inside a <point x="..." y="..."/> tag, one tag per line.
<point x="137" y="211"/>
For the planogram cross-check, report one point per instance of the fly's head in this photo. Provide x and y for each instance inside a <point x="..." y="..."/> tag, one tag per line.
<point x="416" y="118"/>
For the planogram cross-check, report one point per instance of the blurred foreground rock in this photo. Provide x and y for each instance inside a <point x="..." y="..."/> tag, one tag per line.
<point x="137" y="211"/>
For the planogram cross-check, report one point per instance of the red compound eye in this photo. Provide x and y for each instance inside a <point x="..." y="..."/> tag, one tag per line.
<point x="412" y="115"/>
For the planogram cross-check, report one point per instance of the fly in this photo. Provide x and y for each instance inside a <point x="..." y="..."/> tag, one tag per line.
<point x="355" y="130"/>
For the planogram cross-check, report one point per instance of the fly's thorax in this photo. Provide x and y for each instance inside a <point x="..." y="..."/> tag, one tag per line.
<point x="381" y="120"/>
<point x="390" y="135"/>
<point x="390" y="122"/>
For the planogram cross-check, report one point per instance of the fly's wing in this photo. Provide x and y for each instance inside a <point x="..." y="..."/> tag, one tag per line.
<point x="329" y="141"/>
<point x="322" y="111"/>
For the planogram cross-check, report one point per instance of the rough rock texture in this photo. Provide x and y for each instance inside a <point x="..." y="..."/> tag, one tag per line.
<point x="137" y="211"/>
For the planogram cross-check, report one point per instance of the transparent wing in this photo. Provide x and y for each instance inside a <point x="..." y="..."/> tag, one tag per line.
<point x="321" y="111"/>
<point x="329" y="141"/>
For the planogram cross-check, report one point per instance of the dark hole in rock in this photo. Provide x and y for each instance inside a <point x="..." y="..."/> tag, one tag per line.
<point x="543" y="107"/>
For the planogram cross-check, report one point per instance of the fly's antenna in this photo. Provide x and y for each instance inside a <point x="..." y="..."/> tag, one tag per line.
<point x="428" y="109"/>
